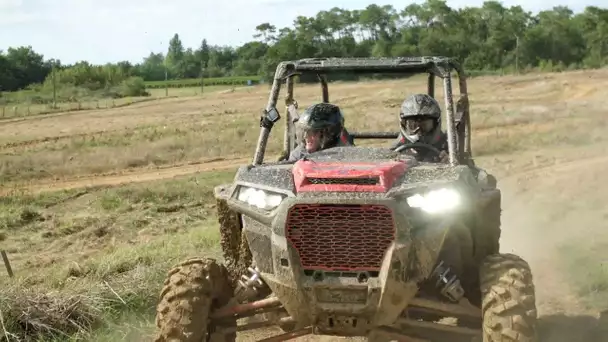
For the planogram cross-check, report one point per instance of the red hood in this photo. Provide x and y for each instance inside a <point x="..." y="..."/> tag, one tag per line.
<point x="346" y="177"/>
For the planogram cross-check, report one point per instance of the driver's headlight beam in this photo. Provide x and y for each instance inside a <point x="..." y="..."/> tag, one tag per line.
<point x="436" y="201"/>
<point x="259" y="198"/>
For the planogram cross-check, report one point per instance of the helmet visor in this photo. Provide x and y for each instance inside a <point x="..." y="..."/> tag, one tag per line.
<point x="420" y="125"/>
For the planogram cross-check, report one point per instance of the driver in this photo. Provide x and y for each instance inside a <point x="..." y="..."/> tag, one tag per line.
<point x="420" y="121"/>
<point x="320" y="127"/>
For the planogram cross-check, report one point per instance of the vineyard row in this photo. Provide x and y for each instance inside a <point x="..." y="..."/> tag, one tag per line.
<point x="194" y="82"/>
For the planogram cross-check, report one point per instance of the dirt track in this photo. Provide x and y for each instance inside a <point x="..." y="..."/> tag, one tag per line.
<point x="543" y="209"/>
<point x="135" y="175"/>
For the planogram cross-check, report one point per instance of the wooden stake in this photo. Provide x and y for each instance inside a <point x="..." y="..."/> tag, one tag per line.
<point x="7" y="264"/>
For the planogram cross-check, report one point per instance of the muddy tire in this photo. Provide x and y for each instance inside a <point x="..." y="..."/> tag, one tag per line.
<point x="235" y="249"/>
<point x="509" y="303"/>
<point x="191" y="291"/>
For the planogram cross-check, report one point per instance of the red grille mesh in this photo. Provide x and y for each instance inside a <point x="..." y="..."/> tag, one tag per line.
<point x="340" y="237"/>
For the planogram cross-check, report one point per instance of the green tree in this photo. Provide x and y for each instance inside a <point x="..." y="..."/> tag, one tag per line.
<point x="489" y="37"/>
<point x="203" y="53"/>
<point x="176" y="63"/>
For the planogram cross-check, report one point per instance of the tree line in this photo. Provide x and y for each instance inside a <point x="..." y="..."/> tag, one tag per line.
<point x="490" y="37"/>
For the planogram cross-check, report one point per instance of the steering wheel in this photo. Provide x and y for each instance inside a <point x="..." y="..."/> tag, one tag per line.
<point x="428" y="147"/>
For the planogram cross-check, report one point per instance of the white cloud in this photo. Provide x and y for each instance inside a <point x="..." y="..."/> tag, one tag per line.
<point x="112" y="30"/>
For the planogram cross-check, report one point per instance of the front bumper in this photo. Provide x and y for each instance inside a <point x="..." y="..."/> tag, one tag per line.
<point x="342" y="301"/>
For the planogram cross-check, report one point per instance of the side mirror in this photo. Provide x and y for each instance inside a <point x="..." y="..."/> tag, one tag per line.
<point x="269" y="117"/>
<point x="273" y="115"/>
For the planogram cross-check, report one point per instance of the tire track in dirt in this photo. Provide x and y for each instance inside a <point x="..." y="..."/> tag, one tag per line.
<point x="120" y="178"/>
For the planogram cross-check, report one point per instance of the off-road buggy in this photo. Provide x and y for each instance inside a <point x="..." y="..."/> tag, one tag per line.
<point x="357" y="241"/>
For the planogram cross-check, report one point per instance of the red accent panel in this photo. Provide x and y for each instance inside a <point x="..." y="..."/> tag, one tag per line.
<point x="344" y="138"/>
<point x="340" y="237"/>
<point x="387" y="172"/>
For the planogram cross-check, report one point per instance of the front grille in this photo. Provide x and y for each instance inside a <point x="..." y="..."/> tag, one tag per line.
<point x="340" y="237"/>
<point x="352" y="180"/>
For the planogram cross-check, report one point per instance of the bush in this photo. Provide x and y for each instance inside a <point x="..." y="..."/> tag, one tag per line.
<point x="133" y="86"/>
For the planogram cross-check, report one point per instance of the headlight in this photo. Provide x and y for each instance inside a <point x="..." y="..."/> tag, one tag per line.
<point x="259" y="198"/>
<point x="435" y="201"/>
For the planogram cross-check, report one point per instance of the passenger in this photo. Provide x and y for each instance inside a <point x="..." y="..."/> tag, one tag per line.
<point x="320" y="127"/>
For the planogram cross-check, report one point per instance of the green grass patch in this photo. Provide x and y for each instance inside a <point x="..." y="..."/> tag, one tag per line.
<point x="87" y="262"/>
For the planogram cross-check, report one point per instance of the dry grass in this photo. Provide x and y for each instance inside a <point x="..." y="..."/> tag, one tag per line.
<point x="39" y="315"/>
<point x="105" y="251"/>
<point x="509" y="114"/>
<point x="24" y="110"/>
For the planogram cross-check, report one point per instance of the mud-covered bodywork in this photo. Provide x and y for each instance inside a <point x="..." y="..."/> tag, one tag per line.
<point x="345" y="237"/>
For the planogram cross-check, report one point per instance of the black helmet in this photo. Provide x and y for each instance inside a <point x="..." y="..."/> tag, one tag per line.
<point x="324" y="118"/>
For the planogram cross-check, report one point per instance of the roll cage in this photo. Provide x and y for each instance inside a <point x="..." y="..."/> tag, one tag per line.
<point x="457" y="117"/>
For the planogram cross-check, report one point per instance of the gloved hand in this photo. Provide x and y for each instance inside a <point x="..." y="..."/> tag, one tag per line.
<point x="444" y="157"/>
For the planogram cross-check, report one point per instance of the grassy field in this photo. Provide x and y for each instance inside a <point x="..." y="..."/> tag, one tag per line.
<point x="86" y="259"/>
<point x="19" y="104"/>
<point x="520" y="116"/>
<point x="104" y="251"/>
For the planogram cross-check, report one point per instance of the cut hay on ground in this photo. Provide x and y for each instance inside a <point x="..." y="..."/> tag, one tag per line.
<point x="30" y="315"/>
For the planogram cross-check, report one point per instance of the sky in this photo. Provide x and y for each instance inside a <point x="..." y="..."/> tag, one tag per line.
<point x="101" y="31"/>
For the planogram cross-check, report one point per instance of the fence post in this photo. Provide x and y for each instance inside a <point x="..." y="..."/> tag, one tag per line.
<point x="7" y="264"/>
<point x="202" y="80"/>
